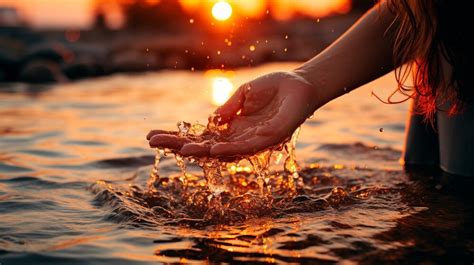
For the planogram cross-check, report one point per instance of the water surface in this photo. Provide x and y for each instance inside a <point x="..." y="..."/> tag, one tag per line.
<point x="74" y="164"/>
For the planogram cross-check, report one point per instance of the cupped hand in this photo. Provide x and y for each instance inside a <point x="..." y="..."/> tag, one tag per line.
<point x="262" y="113"/>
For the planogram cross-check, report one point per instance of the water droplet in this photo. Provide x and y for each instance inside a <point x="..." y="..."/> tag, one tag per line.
<point x="317" y="20"/>
<point x="191" y="20"/>
<point x="252" y="48"/>
<point x="286" y="37"/>
<point x="381" y="130"/>
<point x="218" y="52"/>
<point x="286" y="49"/>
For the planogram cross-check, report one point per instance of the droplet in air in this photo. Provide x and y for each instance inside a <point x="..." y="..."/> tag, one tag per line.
<point x="286" y="37"/>
<point x="381" y="130"/>
<point x="252" y="48"/>
<point x="218" y="52"/>
<point x="286" y="49"/>
<point x="317" y="20"/>
<point x="191" y="20"/>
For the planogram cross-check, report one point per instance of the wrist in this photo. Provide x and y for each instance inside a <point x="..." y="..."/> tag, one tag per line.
<point x="318" y="96"/>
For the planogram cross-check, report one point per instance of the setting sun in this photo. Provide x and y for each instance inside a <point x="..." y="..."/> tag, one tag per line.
<point x="222" y="10"/>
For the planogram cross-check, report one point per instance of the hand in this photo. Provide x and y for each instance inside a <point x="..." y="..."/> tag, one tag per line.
<point x="262" y="113"/>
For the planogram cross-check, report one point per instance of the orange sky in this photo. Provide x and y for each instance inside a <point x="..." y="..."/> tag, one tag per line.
<point x="79" y="13"/>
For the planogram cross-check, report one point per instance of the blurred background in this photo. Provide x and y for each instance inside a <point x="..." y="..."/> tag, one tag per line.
<point x="49" y="41"/>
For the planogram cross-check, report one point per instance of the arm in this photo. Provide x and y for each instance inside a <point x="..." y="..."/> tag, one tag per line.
<point x="359" y="56"/>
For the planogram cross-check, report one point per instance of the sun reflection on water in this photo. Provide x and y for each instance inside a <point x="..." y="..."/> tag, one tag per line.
<point x="221" y="90"/>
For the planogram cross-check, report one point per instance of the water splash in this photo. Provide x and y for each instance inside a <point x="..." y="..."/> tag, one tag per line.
<point x="229" y="190"/>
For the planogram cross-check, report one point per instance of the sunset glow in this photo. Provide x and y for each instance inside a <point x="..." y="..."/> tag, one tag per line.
<point x="80" y="13"/>
<point x="222" y="10"/>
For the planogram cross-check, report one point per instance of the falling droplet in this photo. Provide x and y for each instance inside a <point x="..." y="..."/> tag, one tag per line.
<point x="381" y="130"/>
<point x="218" y="52"/>
<point x="286" y="37"/>
<point x="191" y="20"/>
<point x="252" y="48"/>
<point x="286" y="49"/>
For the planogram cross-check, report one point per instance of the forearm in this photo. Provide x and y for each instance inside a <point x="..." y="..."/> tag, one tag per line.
<point x="360" y="55"/>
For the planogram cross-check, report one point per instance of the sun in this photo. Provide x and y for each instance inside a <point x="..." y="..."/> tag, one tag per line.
<point x="221" y="10"/>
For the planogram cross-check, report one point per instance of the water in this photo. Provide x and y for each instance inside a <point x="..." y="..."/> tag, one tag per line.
<point x="75" y="183"/>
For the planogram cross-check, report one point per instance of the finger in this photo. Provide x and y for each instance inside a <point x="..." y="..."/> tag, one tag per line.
<point x="154" y="132"/>
<point x="238" y="148"/>
<point x="227" y="111"/>
<point x="196" y="149"/>
<point x="244" y="135"/>
<point x="172" y="142"/>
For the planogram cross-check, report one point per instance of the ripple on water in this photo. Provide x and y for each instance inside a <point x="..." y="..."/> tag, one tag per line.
<point x="84" y="142"/>
<point x="8" y="168"/>
<point x="171" y="203"/>
<point x="44" y="153"/>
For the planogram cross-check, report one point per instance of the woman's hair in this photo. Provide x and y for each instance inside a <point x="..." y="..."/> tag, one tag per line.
<point x="428" y="33"/>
